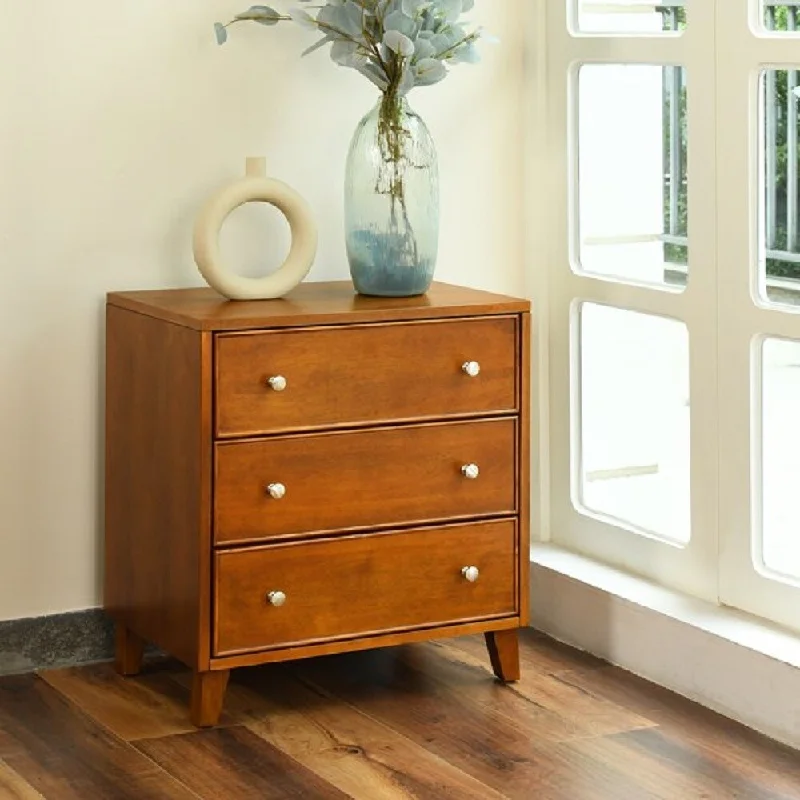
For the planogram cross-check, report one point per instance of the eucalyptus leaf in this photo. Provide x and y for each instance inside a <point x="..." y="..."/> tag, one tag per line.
<point x="317" y="45"/>
<point x="466" y="54"/>
<point x="401" y="23"/>
<point x="396" y="44"/>
<point x="261" y="14"/>
<point x="423" y="49"/>
<point x="429" y="71"/>
<point x="303" y="18"/>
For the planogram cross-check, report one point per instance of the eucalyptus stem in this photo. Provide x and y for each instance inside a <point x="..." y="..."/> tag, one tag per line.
<point x="393" y="137"/>
<point x="472" y="37"/>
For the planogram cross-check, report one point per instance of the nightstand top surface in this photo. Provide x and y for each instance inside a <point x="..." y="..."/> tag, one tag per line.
<point x="311" y="304"/>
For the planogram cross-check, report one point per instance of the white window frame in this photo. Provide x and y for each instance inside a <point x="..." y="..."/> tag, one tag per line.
<point x="691" y="568"/>
<point x="743" y="52"/>
<point x="723" y="50"/>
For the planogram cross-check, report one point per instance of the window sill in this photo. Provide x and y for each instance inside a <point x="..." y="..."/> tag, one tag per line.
<point x="736" y="664"/>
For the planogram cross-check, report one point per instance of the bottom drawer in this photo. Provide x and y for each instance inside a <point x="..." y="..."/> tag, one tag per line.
<point x="358" y="585"/>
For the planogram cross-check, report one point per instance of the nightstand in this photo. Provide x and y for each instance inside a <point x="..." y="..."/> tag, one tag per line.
<point x="320" y="473"/>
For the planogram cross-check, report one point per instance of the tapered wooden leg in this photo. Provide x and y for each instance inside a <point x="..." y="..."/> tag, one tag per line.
<point x="208" y="696"/>
<point x="128" y="650"/>
<point x="503" y="649"/>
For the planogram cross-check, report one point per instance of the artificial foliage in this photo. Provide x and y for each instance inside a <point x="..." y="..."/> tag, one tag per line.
<point x="396" y="44"/>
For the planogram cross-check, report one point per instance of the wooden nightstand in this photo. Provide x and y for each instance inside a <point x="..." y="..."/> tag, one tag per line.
<point x="320" y="473"/>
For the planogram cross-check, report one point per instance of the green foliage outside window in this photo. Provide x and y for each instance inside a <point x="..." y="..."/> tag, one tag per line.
<point x="675" y="19"/>
<point x="776" y="18"/>
<point x="775" y="267"/>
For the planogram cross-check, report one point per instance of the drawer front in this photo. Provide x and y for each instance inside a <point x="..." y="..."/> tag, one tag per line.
<point x="364" y="374"/>
<point x="358" y="479"/>
<point x="360" y="585"/>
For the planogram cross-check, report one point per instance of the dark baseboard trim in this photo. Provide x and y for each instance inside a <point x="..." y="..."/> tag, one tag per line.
<point x="60" y="640"/>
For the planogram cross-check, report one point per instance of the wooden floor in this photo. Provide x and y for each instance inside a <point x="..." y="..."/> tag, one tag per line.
<point x="425" y="721"/>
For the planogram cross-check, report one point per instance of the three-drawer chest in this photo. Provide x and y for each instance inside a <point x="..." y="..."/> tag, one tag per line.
<point x="319" y="473"/>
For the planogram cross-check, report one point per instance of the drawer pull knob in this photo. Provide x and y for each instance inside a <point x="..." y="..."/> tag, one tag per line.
<point x="276" y="599"/>
<point x="472" y="368"/>
<point x="471" y="573"/>
<point x="277" y="383"/>
<point x="470" y="471"/>
<point x="277" y="491"/>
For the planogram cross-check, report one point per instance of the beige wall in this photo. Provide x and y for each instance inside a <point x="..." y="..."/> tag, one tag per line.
<point x="115" y="121"/>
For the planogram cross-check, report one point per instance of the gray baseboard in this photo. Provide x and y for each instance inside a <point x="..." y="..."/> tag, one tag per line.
<point x="61" y="640"/>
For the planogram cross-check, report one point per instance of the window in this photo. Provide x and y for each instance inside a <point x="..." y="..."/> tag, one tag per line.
<point x="627" y="16"/>
<point x="631" y="220"/>
<point x="777" y="546"/>
<point x="634" y="421"/>
<point x="674" y="301"/>
<point x="779" y="252"/>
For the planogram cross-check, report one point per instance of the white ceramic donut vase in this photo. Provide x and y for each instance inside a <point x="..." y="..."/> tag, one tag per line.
<point x="255" y="187"/>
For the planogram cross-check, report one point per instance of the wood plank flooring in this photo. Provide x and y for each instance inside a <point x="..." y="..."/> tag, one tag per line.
<point x="421" y="721"/>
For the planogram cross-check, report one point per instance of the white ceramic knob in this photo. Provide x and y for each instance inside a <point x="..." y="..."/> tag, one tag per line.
<point x="277" y="491"/>
<point x="472" y="368"/>
<point x="470" y="471"/>
<point x="277" y="383"/>
<point x="276" y="599"/>
<point x="471" y="573"/>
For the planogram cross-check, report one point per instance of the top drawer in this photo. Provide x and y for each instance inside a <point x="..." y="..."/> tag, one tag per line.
<point x="364" y="374"/>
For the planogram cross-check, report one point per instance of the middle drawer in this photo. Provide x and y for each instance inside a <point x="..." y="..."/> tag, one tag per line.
<point x="318" y="483"/>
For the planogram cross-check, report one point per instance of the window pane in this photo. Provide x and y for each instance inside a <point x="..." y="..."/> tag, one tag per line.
<point x="635" y="420"/>
<point x="630" y="16"/>
<point x="632" y="155"/>
<point x="779" y="247"/>
<point x="781" y="16"/>
<point x="780" y="470"/>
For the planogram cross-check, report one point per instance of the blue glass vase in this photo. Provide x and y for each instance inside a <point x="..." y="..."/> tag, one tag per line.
<point x="392" y="202"/>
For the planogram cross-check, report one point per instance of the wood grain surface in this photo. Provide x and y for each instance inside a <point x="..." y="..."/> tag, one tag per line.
<point x="128" y="650"/>
<point x="424" y="721"/>
<point x="208" y="697"/>
<point x="12" y="787"/>
<point x="328" y="303"/>
<point x="392" y="639"/>
<point x="524" y="465"/>
<point x="363" y="479"/>
<point x="368" y="584"/>
<point x="66" y="755"/>
<point x="236" y="763"/>
<point x="364" y="374"/>
<point x="503" y="647"/>
<point x="152" y="705"/>
<point x="157" y="579"/>
<point x="377" y="431"/>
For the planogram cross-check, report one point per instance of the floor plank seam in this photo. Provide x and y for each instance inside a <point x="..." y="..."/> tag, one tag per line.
<point x="113" y="734"/>
<point x="253" y="723"/>
<point x="419" y="721"/>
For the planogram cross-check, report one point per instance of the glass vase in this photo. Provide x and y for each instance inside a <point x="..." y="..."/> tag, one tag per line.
<point x="392" y="202"/>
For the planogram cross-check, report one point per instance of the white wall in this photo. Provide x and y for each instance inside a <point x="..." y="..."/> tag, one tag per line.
<point x="116" y="120"/>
